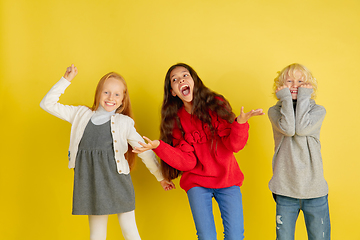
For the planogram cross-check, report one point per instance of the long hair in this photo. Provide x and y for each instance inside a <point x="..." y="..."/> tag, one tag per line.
<point x="289" y="71"/>
<point x="124" y="108"/>
<point x="203" y="100"/>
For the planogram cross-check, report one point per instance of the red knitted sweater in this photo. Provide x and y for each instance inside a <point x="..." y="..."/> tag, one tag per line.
<point x="206" y="161"/>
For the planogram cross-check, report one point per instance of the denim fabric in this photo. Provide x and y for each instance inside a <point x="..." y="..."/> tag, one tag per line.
<point x="316" y="215"/>
<point x="230" y="205"/>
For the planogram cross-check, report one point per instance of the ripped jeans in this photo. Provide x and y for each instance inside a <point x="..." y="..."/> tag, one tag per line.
<point x="316" y="215"/>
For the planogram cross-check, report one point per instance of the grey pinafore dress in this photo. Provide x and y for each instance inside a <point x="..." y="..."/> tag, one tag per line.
<point x="98" y="188"/>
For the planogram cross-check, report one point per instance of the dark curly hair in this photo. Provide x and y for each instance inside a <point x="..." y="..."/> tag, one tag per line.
<point x="203" y="100"/>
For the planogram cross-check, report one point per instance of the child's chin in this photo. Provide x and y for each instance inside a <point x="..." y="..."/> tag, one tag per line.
<point x="109" y="109"/>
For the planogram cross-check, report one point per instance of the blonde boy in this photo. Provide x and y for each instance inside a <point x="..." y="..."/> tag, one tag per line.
<point x="298" y="181"/>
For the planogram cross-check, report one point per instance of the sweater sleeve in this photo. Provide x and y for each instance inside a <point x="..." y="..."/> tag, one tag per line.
<point x="147" y="157"/>
<point x="50" y="103"/>
<point x="180" y="157"/>
<point x="234" y="136"/>
<point x="308" y="119"/>
<point x="282" y="115"/>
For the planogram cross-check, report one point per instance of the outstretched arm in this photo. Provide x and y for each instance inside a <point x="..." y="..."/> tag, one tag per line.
<point x="180" y="157"/>
<point x="244" y="117"/>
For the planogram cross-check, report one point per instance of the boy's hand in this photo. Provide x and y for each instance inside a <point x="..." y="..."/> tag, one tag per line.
<point x="281" y="88"/>
<point x="306" y="85"/>
<point x="244" y="117"/>
<point x="70" y="73"/>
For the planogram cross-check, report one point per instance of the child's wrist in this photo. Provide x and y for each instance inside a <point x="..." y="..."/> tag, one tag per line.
<point x="240" y="121"/>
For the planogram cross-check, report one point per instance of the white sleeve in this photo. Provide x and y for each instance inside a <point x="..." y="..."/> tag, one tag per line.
<point x="50" y="103"/>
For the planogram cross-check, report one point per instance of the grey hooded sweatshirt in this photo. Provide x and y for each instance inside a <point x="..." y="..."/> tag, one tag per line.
<point x="297" y="163"/>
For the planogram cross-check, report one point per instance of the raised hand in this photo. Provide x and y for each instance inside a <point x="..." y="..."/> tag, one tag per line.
<point x="146" y="146"/>
<point x="244" y="117"/>
<point x="281" y="88"/>
<point x="306" y="85"/>
<point x="70" y="73"/>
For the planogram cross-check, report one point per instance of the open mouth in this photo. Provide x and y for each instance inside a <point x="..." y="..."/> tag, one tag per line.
<point x="293" y="91"/>
<point x="185" y="90"/>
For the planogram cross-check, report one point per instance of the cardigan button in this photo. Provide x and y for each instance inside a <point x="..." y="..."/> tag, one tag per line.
<point x="112" y="122"/>
<point x="115" y="141"/>
<point x="119" y="171"/>
<point x="116" y="151"/>
<point x="118" y="161"/>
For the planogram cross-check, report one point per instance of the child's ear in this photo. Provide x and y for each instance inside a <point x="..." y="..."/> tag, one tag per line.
<point x="172" y="93"/>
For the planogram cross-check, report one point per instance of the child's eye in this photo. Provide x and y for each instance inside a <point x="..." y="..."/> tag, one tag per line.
<point x="117" y="94"/>
<point x="185" y="75"/>
<point x="106" y="92"/>
<point x="174" y="79"/>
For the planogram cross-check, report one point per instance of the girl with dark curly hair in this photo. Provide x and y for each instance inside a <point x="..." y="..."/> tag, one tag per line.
<point x="199" y="135"/>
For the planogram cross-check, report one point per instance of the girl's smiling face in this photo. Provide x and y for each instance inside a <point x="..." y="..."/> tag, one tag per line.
<point x="182" y="85"/>
<point x="112" y="94"/>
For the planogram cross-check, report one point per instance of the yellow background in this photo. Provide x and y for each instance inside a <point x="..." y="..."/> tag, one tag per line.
<point x="236" y="46"/>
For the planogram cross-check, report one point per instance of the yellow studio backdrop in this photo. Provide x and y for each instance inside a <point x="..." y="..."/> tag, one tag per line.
<point x="236" y="46"/>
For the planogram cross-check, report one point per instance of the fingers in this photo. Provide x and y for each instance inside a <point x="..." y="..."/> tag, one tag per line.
<point x="140" y="149"/>
<point x="70" y="72"/>
<point x="167" y="185"/>
<point x="146" y="146"/>
<point x="255" y="112"/>
<point x="143" y="144"/>
<point x="242" y="110"/>
<point x="137" y="150"/>
<point x="306" y="85"/>
<point x="147" y="139"/>
<point x="258" y="112"/>
<point x="72" y="68"/>
<point x="280" y="88"/>
<point x="244" y="117"/>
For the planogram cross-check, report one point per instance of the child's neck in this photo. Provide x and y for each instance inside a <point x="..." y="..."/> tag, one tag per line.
<point x="101" y="116"/>
<point x="188" y="107"/>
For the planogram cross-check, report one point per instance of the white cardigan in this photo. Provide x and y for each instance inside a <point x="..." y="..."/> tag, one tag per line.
<point x="122" y="130"/>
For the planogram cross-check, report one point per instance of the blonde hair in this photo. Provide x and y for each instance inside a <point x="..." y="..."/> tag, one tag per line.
<point x="124" y="108"/>
<point x="289" y="71"/>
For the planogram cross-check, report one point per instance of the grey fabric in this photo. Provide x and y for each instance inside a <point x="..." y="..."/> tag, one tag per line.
<point x="297" y="162"/>
<point x="98" y="188"/>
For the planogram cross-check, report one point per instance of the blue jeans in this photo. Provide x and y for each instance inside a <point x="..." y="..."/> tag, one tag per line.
<point x="230" y="205"/>
<point x="316" y="215"/>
